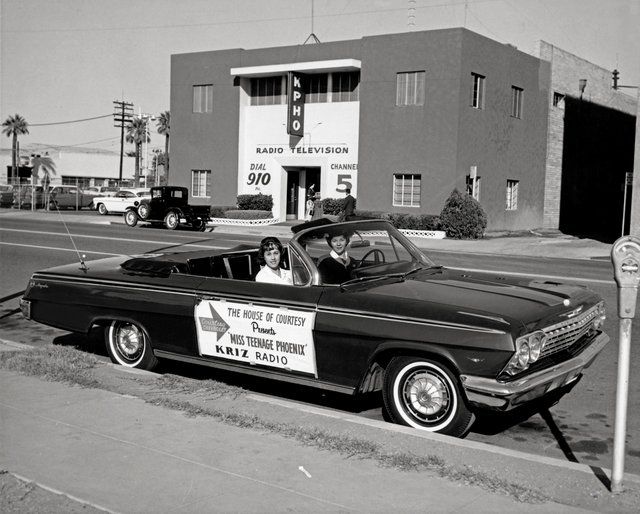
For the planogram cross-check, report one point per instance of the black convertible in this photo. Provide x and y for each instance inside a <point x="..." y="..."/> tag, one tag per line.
<point x="440" y="344"/>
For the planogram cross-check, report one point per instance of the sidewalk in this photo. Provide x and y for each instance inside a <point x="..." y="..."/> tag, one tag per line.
<point x="553" y="245"/>
<point x="118" y="453"/>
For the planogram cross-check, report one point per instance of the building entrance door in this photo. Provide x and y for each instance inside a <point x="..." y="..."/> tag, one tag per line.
<point x="293" y="185"/>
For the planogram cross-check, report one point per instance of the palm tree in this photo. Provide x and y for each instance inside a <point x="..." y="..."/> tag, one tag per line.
<point x="164" y="122"/>
<point x="138" y="133"/>
<point x="48" y="168"/>
<point x="15" y="126"/>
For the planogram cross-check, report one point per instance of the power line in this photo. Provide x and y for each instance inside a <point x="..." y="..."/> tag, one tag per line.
<point x="71" y="121"/>
<point x="255" y="20"/>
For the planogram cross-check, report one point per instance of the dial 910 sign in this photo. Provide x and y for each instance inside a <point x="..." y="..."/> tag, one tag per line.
<point x="256" y="179"/>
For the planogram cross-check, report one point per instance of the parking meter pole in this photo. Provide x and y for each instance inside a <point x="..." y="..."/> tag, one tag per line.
<point x="622" y="394"/>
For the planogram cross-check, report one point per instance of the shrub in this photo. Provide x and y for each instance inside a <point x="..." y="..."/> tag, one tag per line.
<point x="462" y="217"/>
<point x="415" y="221"/>
<point x="257" y="202"/>
<point x="253" y="214"/>
<point x="332" y="206"/>
<point x="217" y="211"/>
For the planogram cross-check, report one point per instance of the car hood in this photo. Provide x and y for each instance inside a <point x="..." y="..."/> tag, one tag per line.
<point x="527" y="302"/>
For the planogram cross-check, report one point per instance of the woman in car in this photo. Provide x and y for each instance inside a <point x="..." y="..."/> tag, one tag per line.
<point x="336" y="267"/>
<point x="270" y="254"/>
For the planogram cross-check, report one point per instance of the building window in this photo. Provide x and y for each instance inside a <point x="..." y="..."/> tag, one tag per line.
<point x="315" y="88"/>
<point x="477" y="91"/>
<point x="201" y="183"/>
<point x="516" y="101"/>
<point x="558" y="100"/>
<point x="473" y="189"/>
<point x="410" y="88"/>
<point x="406" y="190"/>
<point x="512" y="194"/>
<point x="203" y="98"/>
<point x="345" y="86"/>
<point x="267" y="91"/>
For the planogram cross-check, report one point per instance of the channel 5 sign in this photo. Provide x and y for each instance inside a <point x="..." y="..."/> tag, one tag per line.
<point x="295" y="101"/>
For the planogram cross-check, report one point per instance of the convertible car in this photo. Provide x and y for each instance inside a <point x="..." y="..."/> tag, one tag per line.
<point x="440" y="344"/>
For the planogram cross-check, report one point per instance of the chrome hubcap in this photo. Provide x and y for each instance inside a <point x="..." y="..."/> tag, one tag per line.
<point x="426" y="395"/>
<point x="130" y="341"/>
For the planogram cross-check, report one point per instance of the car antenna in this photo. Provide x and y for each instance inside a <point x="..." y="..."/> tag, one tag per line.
<point x="82" y="257"/>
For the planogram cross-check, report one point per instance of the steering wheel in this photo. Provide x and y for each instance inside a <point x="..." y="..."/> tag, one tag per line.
<point x="378" y="257"/>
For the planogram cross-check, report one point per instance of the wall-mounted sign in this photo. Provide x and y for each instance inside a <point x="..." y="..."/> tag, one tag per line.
<point x="295" y="104"/>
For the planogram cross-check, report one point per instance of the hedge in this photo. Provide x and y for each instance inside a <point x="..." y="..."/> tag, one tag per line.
<point x="257" y="202"/>
<point x="218" y="211"/>
<point x="252" y="214"/>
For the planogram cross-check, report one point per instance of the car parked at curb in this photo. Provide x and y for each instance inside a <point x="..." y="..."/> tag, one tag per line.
<point x="168" y="205"/>
<point x="69" y="197"/>
<point x="124" y="199"/>
<point x="442" y="345"/>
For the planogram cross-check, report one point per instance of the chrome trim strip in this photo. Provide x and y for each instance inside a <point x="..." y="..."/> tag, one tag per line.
<point x="114" y="283"/>
<point x="404" y="319"/>
<point x="474" y="385"/>
<point x="228" y="366"/>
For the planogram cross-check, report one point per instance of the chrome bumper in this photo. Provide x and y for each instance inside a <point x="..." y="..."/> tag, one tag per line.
<point x="490" y="393"/>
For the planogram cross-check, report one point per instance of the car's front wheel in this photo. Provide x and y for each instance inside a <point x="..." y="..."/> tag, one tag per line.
<point x="423" y="393"/>
<point x="131" y="218"/>
<point x="171" y="220"/>
<point x="102" y="209"/>
<point x="128" y="345"/>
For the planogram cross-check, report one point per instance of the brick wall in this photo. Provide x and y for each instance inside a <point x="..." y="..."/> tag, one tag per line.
<point x="566" y="71"/>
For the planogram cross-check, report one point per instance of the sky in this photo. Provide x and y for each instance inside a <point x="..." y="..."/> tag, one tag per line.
<point x="67" y="60"/>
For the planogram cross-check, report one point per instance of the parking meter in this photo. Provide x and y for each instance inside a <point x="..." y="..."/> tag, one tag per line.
<point x="625" y="256"/>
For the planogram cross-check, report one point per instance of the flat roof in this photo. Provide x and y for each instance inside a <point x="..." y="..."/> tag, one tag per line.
<point x="315" y="66"/>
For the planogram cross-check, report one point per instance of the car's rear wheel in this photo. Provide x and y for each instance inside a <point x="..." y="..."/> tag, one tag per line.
<point x="423" y="393"/>
<point x="102" y="209"/>
<point x="171" y="220"/>
<point x="131" y="218"/>
<point x="128" y="345"/>
<point x="143" y="211"/>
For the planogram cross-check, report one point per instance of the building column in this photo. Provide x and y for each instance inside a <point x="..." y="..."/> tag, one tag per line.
<point x="634" y="229"/>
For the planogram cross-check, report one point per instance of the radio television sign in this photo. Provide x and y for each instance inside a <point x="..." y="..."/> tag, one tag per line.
<point x="295" y="102"/>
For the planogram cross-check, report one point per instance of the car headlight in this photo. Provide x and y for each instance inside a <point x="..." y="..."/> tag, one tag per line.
<point x="528" y="350"/>
<point x="601" y="315"/>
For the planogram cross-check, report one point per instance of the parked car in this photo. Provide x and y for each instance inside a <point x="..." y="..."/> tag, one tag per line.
<point x="441" y="344"/>
<point x="23" y="196"/>
<point x="169" y="205"/>
<point x="6" y="195"/>
<point x="121" y="201"/>
<point x="69" y="197"/>
<point x="108" y="190"/>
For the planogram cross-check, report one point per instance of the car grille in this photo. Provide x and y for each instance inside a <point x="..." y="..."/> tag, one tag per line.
<point x="562" y="335"/>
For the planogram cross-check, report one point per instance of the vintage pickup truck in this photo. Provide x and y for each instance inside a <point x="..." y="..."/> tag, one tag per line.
<point x="169" y="205"/>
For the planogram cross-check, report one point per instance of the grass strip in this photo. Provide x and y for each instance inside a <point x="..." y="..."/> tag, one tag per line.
<point x="62" y="364"/>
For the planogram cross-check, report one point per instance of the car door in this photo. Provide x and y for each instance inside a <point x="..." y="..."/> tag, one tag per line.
<point x="120" y="201"/>
<point x="266" y="329"/>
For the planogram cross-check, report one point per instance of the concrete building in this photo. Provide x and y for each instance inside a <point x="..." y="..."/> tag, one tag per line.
<point x="402" y="119"/>
<point x="86" y="166"/>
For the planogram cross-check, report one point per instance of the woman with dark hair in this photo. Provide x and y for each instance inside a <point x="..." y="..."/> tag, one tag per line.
<point x="336" y="267"/>
<point x="270" y="254"/>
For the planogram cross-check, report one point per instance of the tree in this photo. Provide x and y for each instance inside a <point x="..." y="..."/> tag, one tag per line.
<point x="15" y="126"/>
<point x="48" y="168"/>
<point x="164" y="122"/>
<point x="138" y="133"/>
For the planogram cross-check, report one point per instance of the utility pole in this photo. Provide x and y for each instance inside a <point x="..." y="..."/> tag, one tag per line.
<point x="122" y="115"/>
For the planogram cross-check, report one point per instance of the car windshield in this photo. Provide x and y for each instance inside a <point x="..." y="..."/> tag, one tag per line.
<point x="374" y="249"/>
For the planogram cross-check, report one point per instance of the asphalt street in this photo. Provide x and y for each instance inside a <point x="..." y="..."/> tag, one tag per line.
<point x="579" y="428"/>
